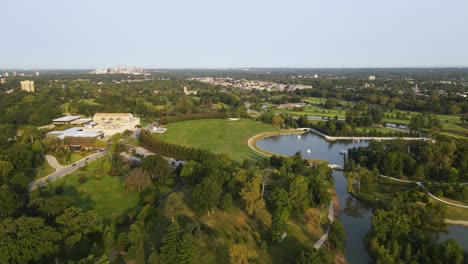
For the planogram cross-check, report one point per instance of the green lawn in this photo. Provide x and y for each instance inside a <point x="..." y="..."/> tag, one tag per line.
<point x="218" y="135"/>
<point x="106" y="196"/>
<point x="44" y="170"/>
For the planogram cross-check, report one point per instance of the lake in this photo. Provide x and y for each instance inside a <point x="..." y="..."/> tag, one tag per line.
<point x="355" y="215"/>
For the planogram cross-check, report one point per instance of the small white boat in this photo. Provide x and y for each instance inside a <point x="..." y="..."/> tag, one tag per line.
<point x="299" y="136"/>
<point x="308" y="151"/>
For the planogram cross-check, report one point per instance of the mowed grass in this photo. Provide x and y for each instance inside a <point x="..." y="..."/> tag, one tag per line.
<point x="44" y="170"/>
<point x="217" y="135"/>
<point x="106" y="196"/>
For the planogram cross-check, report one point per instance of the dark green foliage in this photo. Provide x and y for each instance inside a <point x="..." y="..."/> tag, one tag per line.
<point x="336" y="235"/>
<point x="9" y="203"/>
<point x="312" y="256"/>
<point x="172" y="150"/>
<point x="168" y="251"/>
<point x="206" y="195"/>
<point x="157" y="167"/>
<point x="26" y="240"/>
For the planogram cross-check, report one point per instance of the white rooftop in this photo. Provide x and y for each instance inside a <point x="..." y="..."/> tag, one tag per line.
<point x="76" y="132"/>
<point x="66" y="118"/>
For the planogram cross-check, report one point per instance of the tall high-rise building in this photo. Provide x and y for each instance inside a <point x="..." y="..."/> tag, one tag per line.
<point x="6" y="74"/>
<point x="27" y="86"/>
<point x="37" y="73"/>
<point x="2" y="80"/>
<point x="14" y="74"/>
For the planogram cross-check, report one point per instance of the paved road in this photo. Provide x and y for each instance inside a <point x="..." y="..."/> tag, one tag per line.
<point x="64" y="171"/>
<point x="53" y="162"/>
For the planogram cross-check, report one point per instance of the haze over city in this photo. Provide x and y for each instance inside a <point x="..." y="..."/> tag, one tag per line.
<point x="220" y="34"/>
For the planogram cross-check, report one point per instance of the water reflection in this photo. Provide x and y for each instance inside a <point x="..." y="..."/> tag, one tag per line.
<point x="355" y="216"/>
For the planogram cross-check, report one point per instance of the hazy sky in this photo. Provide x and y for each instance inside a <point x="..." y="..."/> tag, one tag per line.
<point x="237" y="33"/>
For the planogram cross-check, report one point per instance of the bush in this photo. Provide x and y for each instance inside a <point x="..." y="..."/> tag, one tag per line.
<point x="82" y="179"/>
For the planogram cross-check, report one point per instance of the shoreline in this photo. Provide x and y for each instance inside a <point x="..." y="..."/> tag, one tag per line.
<point x="457" y="222"/>
<point x="252" y="143"/>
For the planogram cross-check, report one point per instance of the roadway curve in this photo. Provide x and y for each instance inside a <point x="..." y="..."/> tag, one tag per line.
<point x="61" y="171"/>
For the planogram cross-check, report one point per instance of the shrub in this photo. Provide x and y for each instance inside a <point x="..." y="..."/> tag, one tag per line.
<point x="82" y="179"/>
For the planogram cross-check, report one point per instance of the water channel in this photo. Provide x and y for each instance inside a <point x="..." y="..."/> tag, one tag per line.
<point x="355" y="215"/>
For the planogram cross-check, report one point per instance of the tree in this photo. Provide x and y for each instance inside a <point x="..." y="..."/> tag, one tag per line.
<point x="312" y="256"/>
<point x="277" y="121"/>
<point x="206" y="195"/>
<point x="242" y="254"/>
<point x="108" y="238"/>
<point x="360" y="178"/>
<point x="135" y="239"/>
<point x="74" y="224"/>
<point x="337" y="235"/>
<point x="5" y="169"/>
<point x="50" y="207"/>
<point x="138" y="180"/>
<point x="170" y="240"/>
<point x="251" y="194"/>
<point x="157" y="167"/>
<point x="279" y="224"/>
<point x="9" y="202"/>
<point x="153" y="258"/>
<point x="173" y="206"/>
<point x="298" y="194"/>
<point x="26" y="240"/>
<point x="187" y="249"/>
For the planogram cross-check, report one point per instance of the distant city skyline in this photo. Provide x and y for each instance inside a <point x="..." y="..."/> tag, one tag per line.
<point x="209" y="34"/>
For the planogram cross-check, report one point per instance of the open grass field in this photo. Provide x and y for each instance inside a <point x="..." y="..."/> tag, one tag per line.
<point x="44" y="170"/>
<point x="217" y="135"/>
<point x="106" y="196"/>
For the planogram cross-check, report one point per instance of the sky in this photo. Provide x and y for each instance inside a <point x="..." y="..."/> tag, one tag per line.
<point x="84" y="34"/>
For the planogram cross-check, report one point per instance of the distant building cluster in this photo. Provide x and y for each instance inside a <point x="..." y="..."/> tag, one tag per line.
<point x="252" y="84"/>
<point x="28" y="86"/>
<point x="120" y="70"/>
<point x="15" y="74"/>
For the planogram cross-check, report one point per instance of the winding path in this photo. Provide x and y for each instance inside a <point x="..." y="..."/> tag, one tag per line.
<point x="429" y="193"/>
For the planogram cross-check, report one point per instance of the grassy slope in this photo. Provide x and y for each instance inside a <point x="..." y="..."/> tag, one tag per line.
<point x="227" y="227"/>
<point x="106" y="196"/>
<point x="218" y="135"/>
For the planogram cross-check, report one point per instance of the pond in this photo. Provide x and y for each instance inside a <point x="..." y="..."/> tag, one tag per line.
<point x="355" y="215"/>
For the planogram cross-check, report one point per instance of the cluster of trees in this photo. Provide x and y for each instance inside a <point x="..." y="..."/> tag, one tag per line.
<point x="395" y="238"/>
<point x="334" y="127"/>
<point x="443" y="160"/>
<point x="424" y="121"/>
<point x="172" y="150"/>
<point x="402" y="222"/>
<point x="282" y="120"/>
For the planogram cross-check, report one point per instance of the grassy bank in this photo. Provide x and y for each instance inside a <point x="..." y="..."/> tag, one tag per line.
<point x="217" y="135"/>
